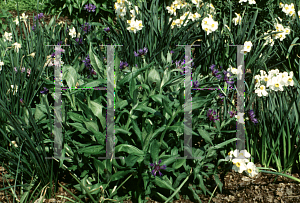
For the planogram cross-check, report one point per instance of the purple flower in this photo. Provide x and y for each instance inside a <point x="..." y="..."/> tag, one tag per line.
<point x="123" y="64"/>
<point x="157" y="168"/>
<point x="219" y="77"/>
<point x="90" y="7"/>
<point x="232" y="114"/>
<point x="177" y="63"/>
<point x="45" y="91"/>
<point x="171" y="52"/>
<point x="21" y="101"/>
<point x="136" y="54"/>
<point x="79" y="41"/>
<point x="23" y="70"/>
<point x="196" y="83"/>
<point x="215" y="72"/>
<point x="87" y="61"/>
<point x="211" y="115"/>
<point x="252" y="117"/>
<point x="93" y="72"/>
<point x="221" y="95"/>
<point x="107" y="29"/>
<point x="86" y="27"/>
<point x="39" y="16"/>
<point x="141" y="52"/>
<point x="212" y="67"/>
<point x="28" y="72"/>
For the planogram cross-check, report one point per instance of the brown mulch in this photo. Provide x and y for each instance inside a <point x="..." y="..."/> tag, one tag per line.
<point x="236" y="188"/>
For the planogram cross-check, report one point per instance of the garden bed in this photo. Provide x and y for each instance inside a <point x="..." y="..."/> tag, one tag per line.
<point x="236" y="188"/>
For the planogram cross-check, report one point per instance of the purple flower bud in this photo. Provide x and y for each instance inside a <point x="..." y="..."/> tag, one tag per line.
<point x="196" y="84"/>
<point x="45" y="91"/>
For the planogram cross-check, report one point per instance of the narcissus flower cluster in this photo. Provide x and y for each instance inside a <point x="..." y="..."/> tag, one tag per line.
<point x="241" y="163"/>
<point x="274" y="81"/>
<point x="121" y="10"/>
<point x="209" y="25"/>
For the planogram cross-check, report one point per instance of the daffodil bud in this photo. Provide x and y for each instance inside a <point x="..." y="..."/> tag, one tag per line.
<point x="32" y="54"/>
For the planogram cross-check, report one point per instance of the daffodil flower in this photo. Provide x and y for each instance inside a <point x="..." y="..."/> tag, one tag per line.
<point x="7" y="36"/>
<point x="72" y="32"/>
<point x="14" y="143"/>
<point x="16" y="21"/>
<point x="240" y="118"/>
<point x="1" y="64"/>
<point x="261" y="91"/>
<point x="239" y="165"/>
<point x="247" y="47"/>
<point x="237" y="19"/>
<point x="15" y="89"/>
<point x="17" y="46"/>
<point x="251" y="171"/>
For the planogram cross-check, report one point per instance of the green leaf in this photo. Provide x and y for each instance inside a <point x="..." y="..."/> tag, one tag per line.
<point x="165" y="79"/>
<point x="95" y="62"/>
<point x="79" y="127"/>
<point x="70" y="75"/>
<point x="178" y="189"/>
<point x="137" y="131"/>
<point x="129" y="149"/>
<point x="205" y="135"/>
<point x="132" y="85"/>
<point x="120" y="175"/>
<point x="121" y="104"/>
<point x="70" y="8"/>
<point x="153" y="76"/>
<point x="87" y="111"/>
<point x="167" y="161"/>
<point x="175" y="81"/>
<point x="218" y="146"/>
<point x="144" y="108"/>
<point x="131" y="159"/>
<point x="157" y="98"/>
<point x="179" y="163"/>
<point x="91" y="125"/>
<point x="154" y="150"/>
<point x="97" y="110"/>
<point x="93" y="150"/>
<point x="163" y="184"/>
<point x="163" y="58"/>
<point x="95" y="83"/>
<point x="152" y="136"/>
<point x="120" y="130"/>
<point x="128" y="76"/>
<point x="220" y="184"/>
